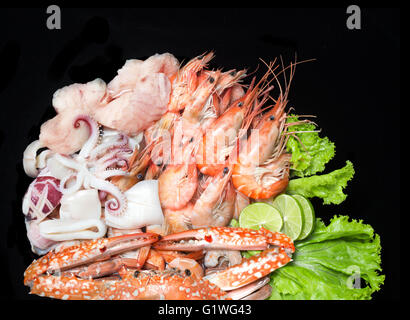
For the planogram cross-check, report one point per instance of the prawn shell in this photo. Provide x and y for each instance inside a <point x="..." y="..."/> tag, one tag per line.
<point x="244" y="181"/>
<point x="177" y="184"/>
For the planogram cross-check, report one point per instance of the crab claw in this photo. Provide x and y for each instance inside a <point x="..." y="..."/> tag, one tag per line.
<point x="224" y="238"/>
<point x="278" y="239"/>
<point x="250" y="270"/>
<point x="213" y="238"/>
<point x="86" y="252"/>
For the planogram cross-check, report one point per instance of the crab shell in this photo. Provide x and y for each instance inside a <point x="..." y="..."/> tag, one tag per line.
<point x="142" y="285"/>
<point x="54" y="274"/>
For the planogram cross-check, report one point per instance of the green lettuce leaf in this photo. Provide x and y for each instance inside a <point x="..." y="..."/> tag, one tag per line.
<point x="329" y="186"/>
<point x="329" y="263"/>
<point x="309" y="152"/>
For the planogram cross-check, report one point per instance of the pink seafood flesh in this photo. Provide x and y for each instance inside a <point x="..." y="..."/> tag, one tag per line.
<point x="131" y="102"/>
<point x="137" y="109"/>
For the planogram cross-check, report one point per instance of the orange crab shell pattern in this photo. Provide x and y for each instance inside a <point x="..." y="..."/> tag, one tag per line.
<point x="142" y="287"/>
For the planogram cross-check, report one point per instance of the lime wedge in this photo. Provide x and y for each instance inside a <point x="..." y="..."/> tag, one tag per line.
<point x="259" y="214"/>
<point x="308" y="216"/>
<point x="291" y="212"/>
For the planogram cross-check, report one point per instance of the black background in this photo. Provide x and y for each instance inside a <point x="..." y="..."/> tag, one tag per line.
<point x="352" y="88"/>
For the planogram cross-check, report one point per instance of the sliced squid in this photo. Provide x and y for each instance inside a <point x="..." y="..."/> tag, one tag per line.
<point x="57" y="169"/>
<point x="39" y="244"/>
<point x="70" y="229"/>
<point x="143" y="207"/>
<point x="29" y="158"/>
<point x="80" y="205"/>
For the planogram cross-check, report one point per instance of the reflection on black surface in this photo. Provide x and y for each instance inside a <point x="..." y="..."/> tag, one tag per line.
<point x="9" y="58"/>
<point x="96" y="30"/>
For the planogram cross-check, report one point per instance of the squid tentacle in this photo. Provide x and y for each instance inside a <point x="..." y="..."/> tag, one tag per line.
<point x="94" y="134"/>
<point x="118" y="204"/>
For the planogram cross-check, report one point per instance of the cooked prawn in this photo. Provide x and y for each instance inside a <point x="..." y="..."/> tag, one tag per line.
<point x="178" y="220"/>
<point x="216" y="203"/>
<point x="186" y="80"/>
<point x="241" y="201"/>
<point x="262" y="170"/>
<point x="189" y="266"/>
<point x="177" y="185"/>
<point x="218" y="142"/>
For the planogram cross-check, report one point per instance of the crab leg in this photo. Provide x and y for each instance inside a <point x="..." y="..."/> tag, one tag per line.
<point x="85" y="253"/>
<point x="245" y="291"/>
<point x="250" y="270"/>
<point x="104" y="268"/>
<point x="68" y="287"/>
<point x="169" y="255"/>
<point x="224" y="238"/>
<point x="261" y="294"/>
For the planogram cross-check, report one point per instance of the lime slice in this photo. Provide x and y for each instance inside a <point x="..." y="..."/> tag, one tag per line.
<point x="249" y="253"/>
<point x="268" y="201"/>
<point x="234" y="223"/>
<point x="308" y="216"/>
<point x="291" y="212"/>
<point x="259" y="214"/>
